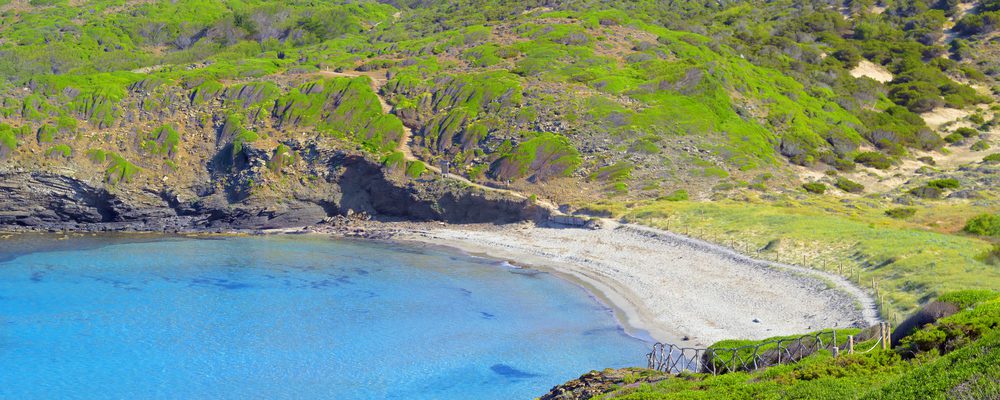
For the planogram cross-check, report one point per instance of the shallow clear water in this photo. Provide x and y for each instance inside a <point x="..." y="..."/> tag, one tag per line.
<point x="295" y="318"/>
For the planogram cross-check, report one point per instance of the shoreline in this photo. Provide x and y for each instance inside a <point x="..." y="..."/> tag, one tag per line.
<point x="660" y="286"/>
<point x="827" y="300"/>
<point x="624" y="311"/>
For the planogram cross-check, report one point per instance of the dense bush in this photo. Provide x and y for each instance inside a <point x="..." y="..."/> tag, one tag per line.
<point x="849" y="186"/>
<point x="901" y="212"/>
<point x="980" y="146"/>
<point x="814" y="187"/>
<point x="873" y="159"/>
<point x="677" y="195"/>
<point x="984" y="225"/>
<point x="947" y="183"/>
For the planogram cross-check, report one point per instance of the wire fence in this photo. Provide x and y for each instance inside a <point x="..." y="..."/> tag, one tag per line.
<point x="669" y="358"/>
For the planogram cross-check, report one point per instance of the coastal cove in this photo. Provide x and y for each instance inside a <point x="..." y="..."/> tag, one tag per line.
<point x="662" y="286"/>
<point x="288" y="316"/>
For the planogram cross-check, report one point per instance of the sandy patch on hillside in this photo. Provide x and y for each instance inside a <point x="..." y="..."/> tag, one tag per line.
<point x="871" y="70"/>
<point x="943" y="115"/>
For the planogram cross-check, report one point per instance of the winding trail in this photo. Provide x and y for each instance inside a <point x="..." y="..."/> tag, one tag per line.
<point x="377" y="82"/>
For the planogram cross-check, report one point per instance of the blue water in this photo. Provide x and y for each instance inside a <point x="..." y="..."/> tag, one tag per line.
<point x="290" y="318"/>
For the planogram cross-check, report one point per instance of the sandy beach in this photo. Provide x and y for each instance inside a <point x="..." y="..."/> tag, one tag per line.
<point x="663" y="285"/>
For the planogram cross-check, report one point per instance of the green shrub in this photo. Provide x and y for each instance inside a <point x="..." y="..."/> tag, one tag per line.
<point x="901" y="212"/>
<point x="966" y="132"/>
<point x="46" y="133"/>
<point x="947" y="183"/>
<point x="980" y="146"/>
<point x="8" y="139"/>
<point x="162" y="141"/>
<point x="677" y="195"/>
<point x="873" y="159"/>
<point x="849" y="186"/>
<point x="992" y="158"/>
<point x="416" y="169"/>
<point x="61" y="150"/>
<point x="984" y="225"/>
<point x="954" y="138"/>
<point x="814" y="187"/>
<point x="394" y="161"/>
<point x="119" y="169"/>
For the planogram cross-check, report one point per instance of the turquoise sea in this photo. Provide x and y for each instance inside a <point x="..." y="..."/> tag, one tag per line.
<point x="289" y="318"/>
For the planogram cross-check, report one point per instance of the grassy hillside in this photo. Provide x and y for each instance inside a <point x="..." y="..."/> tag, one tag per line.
<point x="661" y="94"/>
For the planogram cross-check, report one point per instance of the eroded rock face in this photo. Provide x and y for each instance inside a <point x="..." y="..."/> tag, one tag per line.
<point x="351" y="184"/>
<point x="33" y="199"/>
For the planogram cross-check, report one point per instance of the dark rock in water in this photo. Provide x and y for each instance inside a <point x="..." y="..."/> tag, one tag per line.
<point x="511" y="372"/>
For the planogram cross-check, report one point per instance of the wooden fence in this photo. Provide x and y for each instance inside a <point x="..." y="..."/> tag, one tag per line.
<point x="674" y="359"/>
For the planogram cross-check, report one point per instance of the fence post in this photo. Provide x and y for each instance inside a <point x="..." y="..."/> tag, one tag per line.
<point x="836" y="347"/>
<point x="670" y="354"/>
<point x="883" y="329"/>
<point x="850" y="344"/>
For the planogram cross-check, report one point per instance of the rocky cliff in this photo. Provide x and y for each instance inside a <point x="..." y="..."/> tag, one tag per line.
<point x="349" y="183"/>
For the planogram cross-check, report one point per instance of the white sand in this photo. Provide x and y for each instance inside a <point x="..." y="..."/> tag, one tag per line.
<point x="871" y="70"/>
<point x="668" y="285"/>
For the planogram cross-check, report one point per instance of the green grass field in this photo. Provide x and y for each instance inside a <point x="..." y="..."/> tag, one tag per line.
<point x="910" y="261"/>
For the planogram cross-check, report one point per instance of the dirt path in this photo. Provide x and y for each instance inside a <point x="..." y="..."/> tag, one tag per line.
<point x="377" y="82"/>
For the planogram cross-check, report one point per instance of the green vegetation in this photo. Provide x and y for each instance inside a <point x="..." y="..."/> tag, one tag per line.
<point x="8" y="140"/>
<point x="415" y="169"/>
<point x="814" y="187"/>
<point x="901" y="212"/>
<point x="59" y="150"/>
<point x="888" y="246"/>
<point x="948" y="183"/>
<point x="117" y="168"/>
<point x="543" y="156"/>
<point x="849" y="186"/>
<point x="163" y="140"/>
<point x="950" y="358"/>
<point x="874" y="160"/>
<point x="677" y="195"/>
<point x="984" y="225"/>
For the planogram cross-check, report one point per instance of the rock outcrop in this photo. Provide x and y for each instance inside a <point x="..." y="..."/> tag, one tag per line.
<point x="351" y="183"/>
